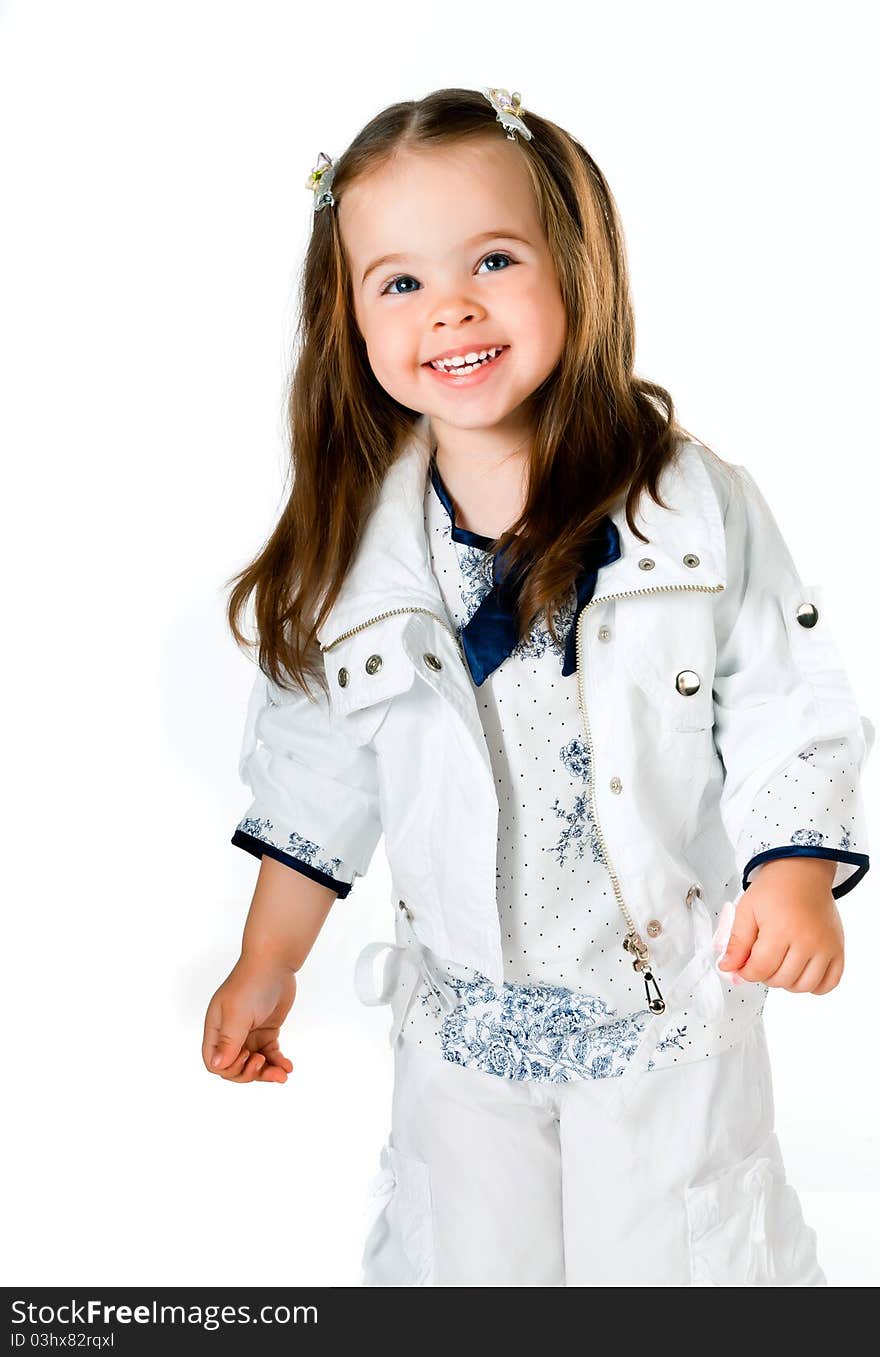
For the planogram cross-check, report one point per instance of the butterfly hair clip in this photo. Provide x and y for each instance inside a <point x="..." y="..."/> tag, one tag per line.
<point x="509" y="108"/>
<point x="319" y="181"/>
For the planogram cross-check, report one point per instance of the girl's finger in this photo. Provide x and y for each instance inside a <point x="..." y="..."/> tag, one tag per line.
<point x="811" y="975"/>
<point x="251" y="1068"/>
<point x="831" y="976"/>
<point x="276" y="1058"/>
<point x="765" y="958"/>
<point x="276" y="1068"/>
<point x="272" y="1074"/>
<point x="233" y="1071"/>
<point x="788" y="970"/>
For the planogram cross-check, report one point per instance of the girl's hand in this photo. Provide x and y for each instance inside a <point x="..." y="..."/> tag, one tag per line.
<point x="787" y="932"/>
<point x="243" y="1021"/>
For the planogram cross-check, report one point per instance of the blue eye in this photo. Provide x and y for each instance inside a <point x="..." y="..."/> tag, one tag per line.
<point x="401" y="277"/>
<point x="407" y="277"/>
<point x="498" y="254"/>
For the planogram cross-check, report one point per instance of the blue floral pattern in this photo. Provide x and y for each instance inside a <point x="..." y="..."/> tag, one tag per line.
<point x="296" y="846"/>
<point x="476" y="579"/>
<point x="541" y="1032"/>
<point x="539" y="640"/>
<point x="808" y="838"/>
<point x="579" y="834"/>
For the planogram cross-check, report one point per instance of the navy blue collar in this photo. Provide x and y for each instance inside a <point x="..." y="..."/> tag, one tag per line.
<point x="491" y="634"/>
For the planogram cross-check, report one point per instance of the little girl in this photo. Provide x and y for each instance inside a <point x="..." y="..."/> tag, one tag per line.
<point x="516" y="619"/>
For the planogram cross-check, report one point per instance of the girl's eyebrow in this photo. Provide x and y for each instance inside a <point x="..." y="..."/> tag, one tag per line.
<point x="474" y="240"/>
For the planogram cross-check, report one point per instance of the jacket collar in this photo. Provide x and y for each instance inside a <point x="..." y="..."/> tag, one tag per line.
<point x="392" y="565"/>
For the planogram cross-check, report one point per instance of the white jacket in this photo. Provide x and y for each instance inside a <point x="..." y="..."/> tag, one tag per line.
<point x="706" y="668"/>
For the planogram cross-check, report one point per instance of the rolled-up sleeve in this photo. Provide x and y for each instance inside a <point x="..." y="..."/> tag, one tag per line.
<point x="787" y="723"/>
<point x="315" y="804"/>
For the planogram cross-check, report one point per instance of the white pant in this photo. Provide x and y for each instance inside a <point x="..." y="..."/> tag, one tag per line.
<point x="486" y="1181"/>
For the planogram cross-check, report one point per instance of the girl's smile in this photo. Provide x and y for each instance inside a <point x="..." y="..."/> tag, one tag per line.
<point x="474" y="375"/>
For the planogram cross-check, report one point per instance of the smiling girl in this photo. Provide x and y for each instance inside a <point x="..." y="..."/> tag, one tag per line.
<point x="519" y="621"/>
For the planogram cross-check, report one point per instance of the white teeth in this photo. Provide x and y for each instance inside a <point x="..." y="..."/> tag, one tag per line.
<point x="464" y="363"/>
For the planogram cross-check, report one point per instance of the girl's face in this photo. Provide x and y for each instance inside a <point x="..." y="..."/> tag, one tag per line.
<point x="448" y="256"/>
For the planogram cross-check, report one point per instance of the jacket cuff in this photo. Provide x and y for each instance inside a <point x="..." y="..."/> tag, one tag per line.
<point x="811" y="808"/>
<point x="258" y="835"/>
<point x="852" y="868"/>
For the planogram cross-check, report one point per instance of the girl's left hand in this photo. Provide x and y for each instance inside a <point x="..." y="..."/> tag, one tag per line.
<point x="787" y="931"/>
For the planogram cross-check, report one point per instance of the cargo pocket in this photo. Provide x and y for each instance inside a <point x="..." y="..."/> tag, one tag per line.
<point x="398" y="1250"/>
<point x="746" y="1227"/>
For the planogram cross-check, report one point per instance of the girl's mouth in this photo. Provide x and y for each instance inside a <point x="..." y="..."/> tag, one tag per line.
<point x="476" y="374"/>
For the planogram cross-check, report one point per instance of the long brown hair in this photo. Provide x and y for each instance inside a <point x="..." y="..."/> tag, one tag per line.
<point x="599" y="431"/>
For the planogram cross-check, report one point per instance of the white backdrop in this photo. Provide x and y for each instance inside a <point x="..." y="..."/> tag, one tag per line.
<point x="154" y="215"/>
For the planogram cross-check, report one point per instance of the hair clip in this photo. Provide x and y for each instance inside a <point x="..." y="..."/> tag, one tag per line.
<point x="508" y="108"/>
<point x="319" y="181"/>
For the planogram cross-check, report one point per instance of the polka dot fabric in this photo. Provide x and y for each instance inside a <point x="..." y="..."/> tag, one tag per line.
<point x="809" y="807"/>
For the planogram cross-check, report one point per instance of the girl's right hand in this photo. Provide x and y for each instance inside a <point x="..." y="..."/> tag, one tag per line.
<point x="242" y="1024"/>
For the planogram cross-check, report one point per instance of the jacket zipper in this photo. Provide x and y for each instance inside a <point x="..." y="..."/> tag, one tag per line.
<point x="633" y="942"/>
<point x="391" y="613"/>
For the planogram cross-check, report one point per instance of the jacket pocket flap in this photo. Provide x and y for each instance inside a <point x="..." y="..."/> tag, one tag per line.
<point x="368" y="668"/>
<point x="668" y="649"/>
<point x="682" y="696"/>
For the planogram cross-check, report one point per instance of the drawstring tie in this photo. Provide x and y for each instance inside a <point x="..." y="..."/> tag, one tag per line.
<point x="406" y="965"/>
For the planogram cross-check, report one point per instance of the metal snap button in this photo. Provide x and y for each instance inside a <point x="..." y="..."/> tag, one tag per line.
<point x="432" y="662"/>
<point x="691" y="560"/>
<point x="604" y="633"/>
<point x="342" y="676"/>
<point x="616" y="785"/>
<point x="693" y="891"/>
<point x="807" y="614"/>
<point x="653" y="928"/>
<point x="646" y="563"/>
<point x="687" y="682"/>
<point x="373" y="664"/>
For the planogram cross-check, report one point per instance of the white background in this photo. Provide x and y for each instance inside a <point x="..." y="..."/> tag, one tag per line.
<point x="154" y="216"/>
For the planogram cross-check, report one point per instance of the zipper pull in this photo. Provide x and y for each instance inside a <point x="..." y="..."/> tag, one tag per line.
<point x="658" y="1003"/>
<point x="635" y="943"/>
